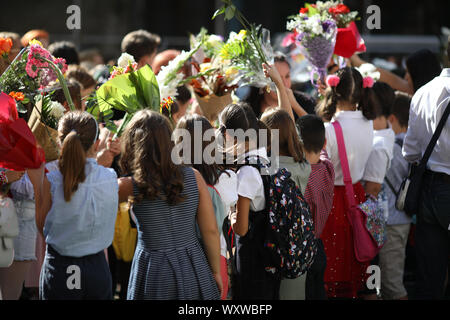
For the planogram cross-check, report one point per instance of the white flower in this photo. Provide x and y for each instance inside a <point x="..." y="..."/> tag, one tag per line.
<point x="56" y="110"/>
<point x="214" y="40"/>
<point x="369" y="70"/>
<point x="124" y="60"/>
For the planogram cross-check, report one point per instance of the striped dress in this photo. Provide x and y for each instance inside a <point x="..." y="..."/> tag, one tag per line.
<point x="169" y="262"/>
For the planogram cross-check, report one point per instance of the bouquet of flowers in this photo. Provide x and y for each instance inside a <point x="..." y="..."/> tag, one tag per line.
<point x="316" y="34"/>
<point x="248" y="49"/>
<point x="128" y="90"/>
<point x="348" y="39"/>
<point x="170" y="77"/>
<point x="25" y="80"/>
<point x="32" y="70"/>
<point x="213" y="76"/>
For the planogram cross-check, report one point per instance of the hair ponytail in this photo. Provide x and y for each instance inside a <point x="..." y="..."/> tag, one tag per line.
<point x="78" y="132"/>
<point x="327" y="107"/>
<point x="368" y="103"/>
<point x="71" y="164"/>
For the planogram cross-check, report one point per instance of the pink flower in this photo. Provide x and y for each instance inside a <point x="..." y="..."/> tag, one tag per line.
<point x="368" y="82"/>
<point x="61" y="63"/>
<point x="35" y="60"/>
<point x="333" y="80"/>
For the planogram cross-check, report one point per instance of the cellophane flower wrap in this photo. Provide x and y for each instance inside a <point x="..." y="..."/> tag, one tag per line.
<point x="316" y="36"/>
<point x="211" y="73"/>
<point x="243" y="54"/>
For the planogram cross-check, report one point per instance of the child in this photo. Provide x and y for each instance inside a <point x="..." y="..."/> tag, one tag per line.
<point x="383" y="142"/>
<point x="392" y="255"/>
<point x="76" y="208"/>
<point x="346" y="101"/>
<point x="222" y="185"/>
<point x="381" y="155"/>
<point x="319" y="195"/>
<point x="292" y="158"/>
<point x="250" y="280"/>
<point x="168" y="200"/>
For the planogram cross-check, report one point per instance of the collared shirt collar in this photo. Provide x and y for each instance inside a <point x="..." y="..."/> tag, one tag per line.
<point x="445" y="72"/>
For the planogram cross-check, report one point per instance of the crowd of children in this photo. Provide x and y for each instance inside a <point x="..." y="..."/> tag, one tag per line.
<point x="202" y="228"/>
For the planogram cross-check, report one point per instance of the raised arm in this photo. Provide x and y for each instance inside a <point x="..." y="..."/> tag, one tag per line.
<point x="283" y="98"/>
<point x="390" y="78"/>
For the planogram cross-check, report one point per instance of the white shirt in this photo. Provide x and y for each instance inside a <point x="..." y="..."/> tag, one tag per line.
<point x="427" y="107"/>
<point x="381" y="156"/>
<point x="227" y="188"/>
<point x="358" y="138"/>
<point x="249" y="182"/>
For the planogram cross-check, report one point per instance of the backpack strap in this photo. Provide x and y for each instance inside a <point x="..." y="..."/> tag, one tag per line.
<point x="344" y="164"/>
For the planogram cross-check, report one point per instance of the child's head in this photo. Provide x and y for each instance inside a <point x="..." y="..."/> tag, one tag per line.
<point x="349" y="90"/>
<point x="289" y="141"/>
<point x="381" y="102"/>
<point x="78" y="136"/>
<point x="66" y="50"/>
<point x="74" y="91"/>
<point x="147" y="155"/>
<point x="399" y="116"/>
<point x="141" y="45"/>
<point x="81" y="75"/>
<point x="210" y="172"/>
<point x="240" y="116"/>
<point x="312" y="133"/>
<point x="181" y="103"/>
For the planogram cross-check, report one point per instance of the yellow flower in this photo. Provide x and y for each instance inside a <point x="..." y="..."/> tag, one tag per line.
<point x="34" y="41"/>
<point x="205" y="67"/>
<point x="242" y="35"/>
<point x="231" y="72"/>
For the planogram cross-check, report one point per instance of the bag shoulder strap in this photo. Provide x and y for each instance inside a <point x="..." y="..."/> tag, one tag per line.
<point x="435" y="137"/>
<point x="344" y="164"/>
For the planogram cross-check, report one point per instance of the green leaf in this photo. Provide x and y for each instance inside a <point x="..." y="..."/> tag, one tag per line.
<point x="311" y="10"/>
<point x="229" y="12"/>
<point x="130" y="92"/>
<point x="218" y="12"/>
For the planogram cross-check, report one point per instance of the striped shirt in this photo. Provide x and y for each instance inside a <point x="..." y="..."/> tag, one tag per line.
<point x="320" y="190"/>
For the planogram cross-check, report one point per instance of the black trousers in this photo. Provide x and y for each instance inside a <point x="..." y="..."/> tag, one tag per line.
<point x="70" y="278"/>
<point x="315" y="286"/>
<point x="250" y="281"/>
<point x="433" y="236"/>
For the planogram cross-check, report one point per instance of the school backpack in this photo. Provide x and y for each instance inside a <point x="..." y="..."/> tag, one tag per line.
<point x="290" y="238"/>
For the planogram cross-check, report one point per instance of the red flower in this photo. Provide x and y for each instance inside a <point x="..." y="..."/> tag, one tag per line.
<point x="339" y="9"/>
<point x="304" y="10"/>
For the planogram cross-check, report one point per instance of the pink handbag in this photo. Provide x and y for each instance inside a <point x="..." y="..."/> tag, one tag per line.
<point x="366" y="219"/>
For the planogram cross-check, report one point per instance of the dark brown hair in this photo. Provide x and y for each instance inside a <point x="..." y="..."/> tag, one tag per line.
<point x="400" y="108"/>
<point x="289" y="140"/>
<point x="77" y="133"/>
<point x="350" y="89"/>
<point x="210" y="172"/>
<point x="140" y="43"/>
<point x="382" y="99"/>
<point x="146" y="155"/>
<point x="81" y="75"/>
<point x="74" y="90"/>
<point x="312" y="132"/>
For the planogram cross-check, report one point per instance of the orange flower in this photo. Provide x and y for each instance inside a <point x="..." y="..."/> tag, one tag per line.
<point x="5" y="45"/>
<point x="18" y="96"/>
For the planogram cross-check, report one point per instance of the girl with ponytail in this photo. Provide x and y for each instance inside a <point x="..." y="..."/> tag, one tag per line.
<point x="347" y="101"/>
<point x="76" y="208"/>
